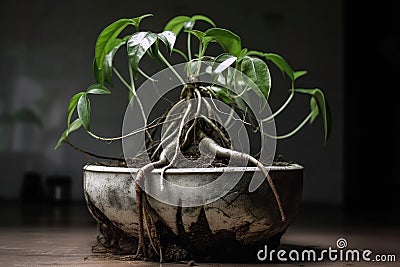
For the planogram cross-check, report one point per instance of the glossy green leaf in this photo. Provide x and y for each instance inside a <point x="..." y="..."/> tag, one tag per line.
<point x="257" y="70"/>
<point x="83" y="108"/>
<point x="98" y="89"/>
<point x="242" y="54"/>
<point x="322" y="107"/>
<point x="299" y="73"/>
<point x="109" y="34"/>
<point x="229" y="41"/>
<point x="175" y="25"/>
<point x="108" y="62"/>
<point x="98" y="73"/>
<point x="199" y="34"/>
<point x="168" y="38"/>
<point x="281" y="63"/>
<point x="62" y="139"/>
<point x="72" y="105"/>
<point x="203" y="18"/>
<point x="137" y="46"/>
<point x="75" y="125"/>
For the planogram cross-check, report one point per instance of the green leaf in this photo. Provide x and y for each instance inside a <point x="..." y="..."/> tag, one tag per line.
<point x="109" y="34"/>
<point x="257" y="70"/>
<point x="203" y="18"/>
<point x="98" y="89"/>
<point x="75" y="125"/>
<point x="223" y="62"/>
<point x="175" y="25"/>
<point x="137" y="20"/>
<point x="84" y="111"/>
<point x="168" y="38"/>
<point x="229" y="41"/>
<point x="299" y="73"/>
<point x="242" y="54"/>
<point x="107" y="70"/>
<point x="322" y="107"/>
<point x="137" y="46"/>
<point x="199" y="34"/>
<point x="72" y="105"/>
<point x="281" y="64"/>
<point x="62" y="139"/>
<point x="314" y="109"/>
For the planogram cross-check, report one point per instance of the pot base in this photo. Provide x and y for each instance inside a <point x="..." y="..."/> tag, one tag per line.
<point x="231" y="229"/>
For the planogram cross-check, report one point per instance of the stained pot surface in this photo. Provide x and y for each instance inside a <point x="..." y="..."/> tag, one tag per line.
<point x="250" y="217"/>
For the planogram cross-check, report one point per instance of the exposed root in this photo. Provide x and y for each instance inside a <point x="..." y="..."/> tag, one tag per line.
<point x="220" y="151"/>
<point x="217" y="130"/>
<point x="139" y="185"/>
<point x="182" y="136"/>
<point x="177" y="146"/>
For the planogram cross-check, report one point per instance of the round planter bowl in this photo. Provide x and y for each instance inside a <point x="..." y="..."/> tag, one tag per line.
<point x="231" y="228"/>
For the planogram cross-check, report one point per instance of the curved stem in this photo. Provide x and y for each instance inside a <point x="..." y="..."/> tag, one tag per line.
<point x="146" y="76"/>
<point x="139" y="130"/>
<point x="276" y="113"/>
<point x="301" y="125"/>
<point x="132" y="90"/>
<point x="122" y="79"/>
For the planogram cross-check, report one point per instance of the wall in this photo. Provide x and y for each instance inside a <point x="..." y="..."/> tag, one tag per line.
<point x="46" y="56"/>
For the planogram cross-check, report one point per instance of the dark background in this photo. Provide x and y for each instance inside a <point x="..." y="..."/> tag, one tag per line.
<point x="46" y="54"/>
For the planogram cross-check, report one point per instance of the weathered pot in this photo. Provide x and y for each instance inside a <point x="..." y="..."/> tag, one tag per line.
<point x="233" y="227"/>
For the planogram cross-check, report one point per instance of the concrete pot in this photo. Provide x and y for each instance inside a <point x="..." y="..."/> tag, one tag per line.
<point x="239" y="222"/>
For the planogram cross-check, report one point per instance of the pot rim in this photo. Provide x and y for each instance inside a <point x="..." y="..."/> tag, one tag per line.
<point x="100" y="168"/>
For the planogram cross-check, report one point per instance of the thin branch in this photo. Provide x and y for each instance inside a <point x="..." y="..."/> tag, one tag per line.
<point x="139" y="130"/>
<point x="301" y="125"/>
<point x="92" y="154"/>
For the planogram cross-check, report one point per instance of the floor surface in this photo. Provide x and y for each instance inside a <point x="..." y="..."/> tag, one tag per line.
<point x="43" y="235"/>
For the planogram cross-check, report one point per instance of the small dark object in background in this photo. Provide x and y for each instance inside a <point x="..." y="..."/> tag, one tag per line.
<point x="58" y="189"/>
<point x="32" y="188"/>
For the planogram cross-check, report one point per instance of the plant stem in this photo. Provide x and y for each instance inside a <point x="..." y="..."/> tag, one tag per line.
<point x="92" y="154"/>
<point x="189" y="48"/>
<point x="135" y="96"/>
<point x="301" y="125"/>
<point x="146" y="76"/>
<point x="122" y="79"/>
<point x="170" y="67"/>
<point x="280" y="109"/>
<point x="145" y="128"/>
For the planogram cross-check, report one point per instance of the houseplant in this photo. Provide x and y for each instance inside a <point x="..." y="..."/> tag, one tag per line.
<point x="215" y="93"/>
